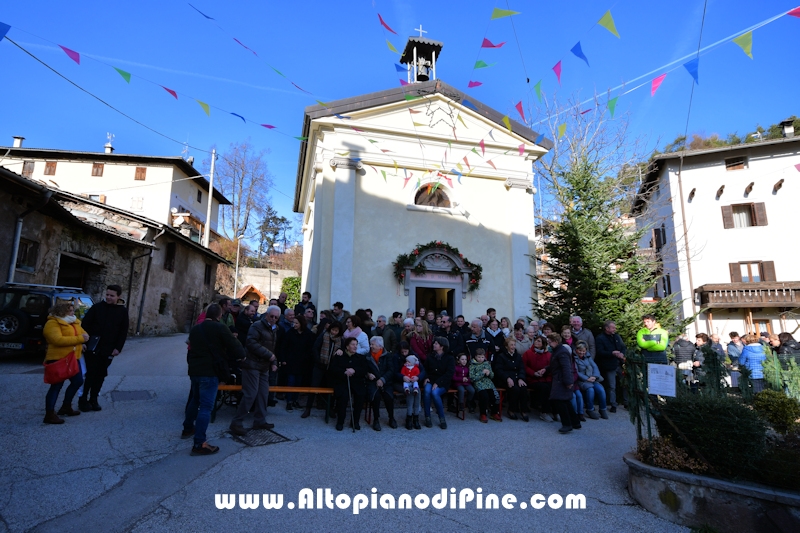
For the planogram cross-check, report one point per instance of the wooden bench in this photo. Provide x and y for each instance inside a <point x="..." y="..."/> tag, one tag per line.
<point x="225" y="396"/>
<point x="461" y="413"/>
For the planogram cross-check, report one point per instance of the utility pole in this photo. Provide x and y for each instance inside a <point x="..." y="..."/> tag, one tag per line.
<point x="207" y="228"/>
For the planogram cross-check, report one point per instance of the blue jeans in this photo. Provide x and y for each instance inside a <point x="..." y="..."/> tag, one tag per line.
<point x="577" y="402"/>
<point x="75" y="383"/>
<point x="595" y="390"/>
<point x="199" y="406"/>
<point x="436" y="395"/>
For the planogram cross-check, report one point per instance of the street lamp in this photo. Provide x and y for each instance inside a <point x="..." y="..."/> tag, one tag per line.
<point x="236" y="276"/>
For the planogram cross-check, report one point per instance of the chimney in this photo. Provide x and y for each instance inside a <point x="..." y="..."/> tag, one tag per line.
<point x="109" y="148"/>
<point x="18" y="141"/>
<point x="787" y="125"/>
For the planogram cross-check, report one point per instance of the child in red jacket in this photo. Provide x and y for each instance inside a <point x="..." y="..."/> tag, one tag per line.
<point x="411" y="371"/>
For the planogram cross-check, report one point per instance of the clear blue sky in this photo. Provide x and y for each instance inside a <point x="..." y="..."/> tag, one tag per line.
<point x="338" y="49"/>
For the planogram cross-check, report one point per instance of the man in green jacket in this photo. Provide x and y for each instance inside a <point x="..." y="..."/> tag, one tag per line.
<point x="652" y="340"/>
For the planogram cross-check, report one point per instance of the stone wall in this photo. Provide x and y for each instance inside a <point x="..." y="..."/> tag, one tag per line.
<point x="260" y="278"/>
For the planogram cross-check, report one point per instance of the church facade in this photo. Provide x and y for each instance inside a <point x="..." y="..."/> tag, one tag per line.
<point x="418" y="197"/>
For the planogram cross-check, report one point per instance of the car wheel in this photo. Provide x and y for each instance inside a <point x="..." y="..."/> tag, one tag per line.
<point x="13" y="324"/>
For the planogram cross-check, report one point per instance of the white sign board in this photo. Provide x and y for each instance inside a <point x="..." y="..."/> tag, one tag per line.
<point x="661" y="379"/>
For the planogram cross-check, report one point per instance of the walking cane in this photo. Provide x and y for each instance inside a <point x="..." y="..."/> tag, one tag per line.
<point x="350" y="398"/>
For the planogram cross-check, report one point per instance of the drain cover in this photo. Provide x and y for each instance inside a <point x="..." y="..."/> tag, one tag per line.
<point x="261" y="437"/>
<point x="129" y="395"/>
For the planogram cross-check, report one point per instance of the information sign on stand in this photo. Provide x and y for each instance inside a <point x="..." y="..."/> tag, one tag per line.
<point x="661" y="380"/>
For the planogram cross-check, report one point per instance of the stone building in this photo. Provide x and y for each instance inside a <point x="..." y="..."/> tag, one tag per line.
<point x="69" y="240"/>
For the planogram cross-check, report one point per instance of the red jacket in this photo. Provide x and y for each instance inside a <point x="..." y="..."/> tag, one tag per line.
<point x="534" y="362"/>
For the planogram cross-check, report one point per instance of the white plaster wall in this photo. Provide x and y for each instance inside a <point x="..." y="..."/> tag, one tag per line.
<point x="184" y="193"/>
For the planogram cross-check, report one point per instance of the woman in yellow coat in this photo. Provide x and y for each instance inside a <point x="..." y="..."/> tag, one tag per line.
<point x="64" y="334"/>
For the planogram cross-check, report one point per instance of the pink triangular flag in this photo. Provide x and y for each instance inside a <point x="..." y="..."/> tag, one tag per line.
<point x="797" y="166"/>
<point x="403" y="82"/>
<point x="521" y="149"/>
<point x="269" y="126"/>
<point x="490" y="162"/>
<point x="170" y="91"/>
<point x="794" y="12"/>
<point x="472" y="84"/>
<point x="585" y="111"/>
<point x="467" y="162"/>
<point x="520" y="111"/>
<point x="483" y="147"/>
<point x="557" y="70"/>
<point x="488" y="44"/>
<point x="656" y="84"/>
<point x="73" y="55"/>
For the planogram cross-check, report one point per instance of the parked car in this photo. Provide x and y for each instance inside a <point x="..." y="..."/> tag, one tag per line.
<point x="23" y="313"/>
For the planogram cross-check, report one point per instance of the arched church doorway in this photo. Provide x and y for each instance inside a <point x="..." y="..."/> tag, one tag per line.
<point x="436" y="299"/>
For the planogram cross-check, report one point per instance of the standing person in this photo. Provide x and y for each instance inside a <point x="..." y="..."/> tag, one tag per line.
<point x="208" y="341"/>
<point x="348" y="366"/>
<point x="563" y="384"/>
<point x="652" y="340"/>
<point x="353" y="330"/>
<point x="477" y="341"/>
<point x="717" y="346"/>
<point x="752" y="358"/>
<point x="582" y="334"/>
<point x="396" y="325"/>
<point x="383" y="330"/>
<point x="463" y="327"/>
<point x="327" y="343"/>
<point x="421" y="340"/>
<point x="296" y="358"/>
<point x="339" y="314"/>
<point x="408" y="330"/>
<point x="451" y="333"/>
<point x="243" y="323"/>
<point x="303" y="305"/>
<point x="610" y="355"/>
<point x="64" y="336"/>
<point x="108" y="321"/>
<point x="282" y="301"/>
<point x="509" y="373"/>
<point x="524" y="342"/>
<point x="439" y="369"/>
<point x="380" y="374"/>
<point x="735" y="348"/>
<point x="257" y="369"/>
<point x="496" y="339"/>
<point x="227" y="317"/>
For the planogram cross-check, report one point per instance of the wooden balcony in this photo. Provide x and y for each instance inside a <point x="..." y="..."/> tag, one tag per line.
<point x="743" y="295"/>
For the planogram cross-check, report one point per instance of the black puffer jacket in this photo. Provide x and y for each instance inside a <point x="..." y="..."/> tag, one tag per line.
<point x="506" y="366"/>
<point x="262" y="344"/>
<point x="337" y="377"/>
<point x="789" y="348"/>
<point x="297" y="351"/>
<point x="110" y="323"/>
<point x="440" y="369"/>
<point x="208" y="340"/>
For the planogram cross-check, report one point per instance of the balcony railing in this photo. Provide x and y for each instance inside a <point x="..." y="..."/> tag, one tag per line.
<point x="738" y="295"/>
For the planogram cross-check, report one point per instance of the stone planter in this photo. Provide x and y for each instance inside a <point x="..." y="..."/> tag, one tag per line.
<point x="694" y="501"/>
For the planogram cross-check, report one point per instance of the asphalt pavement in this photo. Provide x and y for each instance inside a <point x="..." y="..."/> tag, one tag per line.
<point x="125" y="468"/>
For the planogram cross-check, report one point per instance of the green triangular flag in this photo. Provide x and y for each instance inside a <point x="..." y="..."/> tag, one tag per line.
<point x="301" y="138"/>
<point x="482" y="64"/>
<point x="608" y="23"/>
<point x="384" y="174"/>
<point x="474" y="150"/>
<point x="562" y="129"/>
<point x="391" y="47"/>
<point x="500" y="13"/>
<point x="538" y="88"/>
<point x="205" y="107"/>
<point x="612" y="105"/>
<point x="372" y="141"/>
<point x="278" y="71"/>
<point x="125" y="75"/>
<point x="411" y="97"/>
<point x="745" y="42"/>
<point x="323" y="104"/>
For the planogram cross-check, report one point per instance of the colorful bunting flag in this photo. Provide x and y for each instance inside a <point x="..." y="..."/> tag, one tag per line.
<point x="395" y="167"/>
<point x="293" y="83"/>
<point x="797" y="166"/>
<point x="585" y="111"/>
<point x="491" y="134"/>
<point x="403" y="82"/>
<point x="268" y="126"/>
<point x="323" y="104"/>
<point x="579" y="53"/>
<point x="373" y="141"/>
<point x="656" y="84"/>
<point x="343" y="154"/>
<point x="462" y="121"/>
<point x="240" y="116"/>
<point x="205" y="107"/>
<point x="562" y="129"/>
<point x="448" y="180"/>
<point x="520" y="110"/>
<point x="488" y="44"/>
<point x="538" y="88"/>
<point x="170" y="91"/>
<point x="607" y="21"/>
<point x="507" y="122"/>
<point x="482" y="64"/>
<point x="385" y="25"/>
<point x="745" y="42"/>
<point x="522" y="149"/>
<point x="391" y="47"/>
<point x="472" y="84"/>
<point x="206" y="16"/>
<point x="483" y="147"/>
<point x="612" y="105"/>
<point x="248" y="48"/>
<point x="459" y="167"/>
<point x="3" y="30"/>
<point x="341" y="117"/>
<point x="457" y="173"/>
<point x="490" y="162"/>
<point x="277" y="71"/>
<point x="794" y="12"/>
<point x="467" y="103"/>
<point x="419" y="124"/>
<point x="384" y="175"/>
<point x="466" y="161"/>
<point x="498" y="13"/>
<point x="356" y="129"/>
<point x="407" y="177"/>
<point x="400" y="68"/>
<point x="73" y="55"/>
<point x="557" y="70"/>
<point x="302" y="139"/>
<point x="125" y="75"/>
<point x="410" y="97"/>
<point x="384" y="150"/>
<point x="540" y="138"/>
<point x="693" y="67"/>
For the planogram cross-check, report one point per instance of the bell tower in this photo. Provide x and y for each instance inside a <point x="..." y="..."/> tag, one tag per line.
<point x="420" y="56"/>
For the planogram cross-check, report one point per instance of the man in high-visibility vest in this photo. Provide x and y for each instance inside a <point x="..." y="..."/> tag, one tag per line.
<point x="652" y="339"/>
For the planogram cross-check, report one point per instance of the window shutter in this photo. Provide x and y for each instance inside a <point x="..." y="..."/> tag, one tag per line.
<point x="736" y="272"/>
<point x="768" y="268"/>
<point x="727" y="216"/>
<point x="102" y="198"/>
<point x="760" y="212"/>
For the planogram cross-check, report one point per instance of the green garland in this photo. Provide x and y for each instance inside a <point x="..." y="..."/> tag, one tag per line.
<point x="407" y="260"/>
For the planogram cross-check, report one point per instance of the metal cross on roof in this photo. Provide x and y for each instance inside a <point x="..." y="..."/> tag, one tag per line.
<point x="420" y="30"/>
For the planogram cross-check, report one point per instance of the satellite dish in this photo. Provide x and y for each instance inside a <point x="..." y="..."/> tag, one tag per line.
<point x="173" y="210"/>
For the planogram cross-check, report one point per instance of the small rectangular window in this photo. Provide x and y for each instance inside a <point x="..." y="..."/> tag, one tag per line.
<point x="50" y="168"/>
<point x="169" y="259"/>
<point x="136" y="203"/>
<point x="27" y="168"/>
<point x="750" y="272"/>
<point x="207" y="275"/>
<point x="199" y="197"/>
<point x="97" y="169"/>
<point x="141" y="173"/>
<point x="744" y="215"/>
<point x="736" y="163"/>
<point x="94" y="197"/>
<point x="27" y="255"/>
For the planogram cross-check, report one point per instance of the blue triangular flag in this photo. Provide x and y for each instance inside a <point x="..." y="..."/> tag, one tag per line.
<point x="457" y="173"/>
<point x="341" y="117"/>
<point x="692" y="67"/>
<point x="400" y="68"/>
<point x="490" y="134"/>
<point x="240" y="116"/>
<point x="539" y="138"/>
<point x="3" y="30"/>
<point x="467" y="103"/>
<point x="579" y="53"/>
<point x="206" y="16"/>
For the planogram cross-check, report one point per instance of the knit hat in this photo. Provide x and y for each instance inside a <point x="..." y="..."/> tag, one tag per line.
<point x="412" y="359"/>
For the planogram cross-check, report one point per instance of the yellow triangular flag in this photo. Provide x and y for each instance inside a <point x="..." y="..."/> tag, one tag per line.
<point x="562" y="129"/>
<point x="462" y="120"/>
<point x="745" y="42"/>
<point x="419" y="124"/>
<point x="608" y="23"/>
<point x="460" y="168"/>
<point x="507" y="122"/>
<point x="205" y="107"/>
<point x="391" y="47"/>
